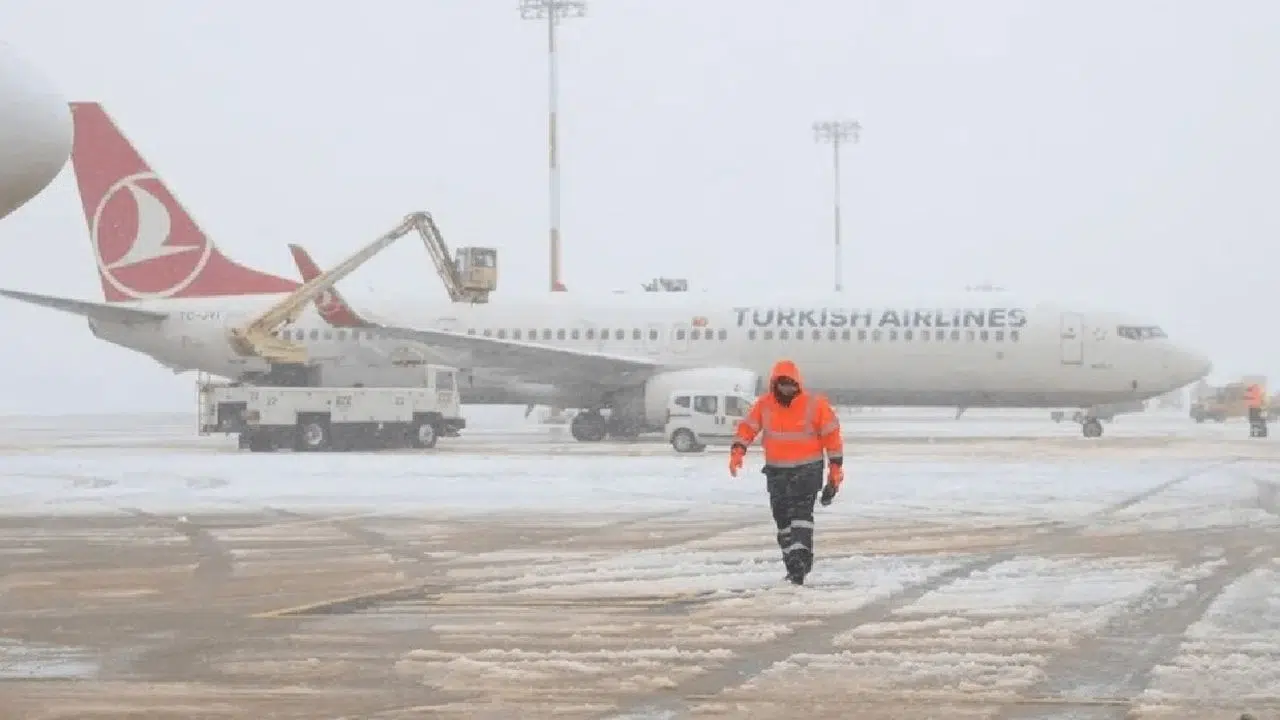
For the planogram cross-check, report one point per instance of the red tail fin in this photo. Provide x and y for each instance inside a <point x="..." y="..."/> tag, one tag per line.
<point x="146" y="245"/>
<point x="331" y="306"/>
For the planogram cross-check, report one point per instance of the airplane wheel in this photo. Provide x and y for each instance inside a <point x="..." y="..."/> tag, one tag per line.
<point x="1091" y="428"/>
<point x="588" y="426"/>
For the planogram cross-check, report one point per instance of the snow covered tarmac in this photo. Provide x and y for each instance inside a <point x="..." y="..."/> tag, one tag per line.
<point x="1035" y="579"/>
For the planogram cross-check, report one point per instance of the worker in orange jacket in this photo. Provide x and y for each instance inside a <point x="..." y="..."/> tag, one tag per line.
<point x="796" y="429"/>
<point x="1254" y="399"/>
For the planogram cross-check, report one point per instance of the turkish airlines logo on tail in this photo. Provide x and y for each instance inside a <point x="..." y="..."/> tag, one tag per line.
<point x="140" y="252"/>
<point x="328" y="304"/>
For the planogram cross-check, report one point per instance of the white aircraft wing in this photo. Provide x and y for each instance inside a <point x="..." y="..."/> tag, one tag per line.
<point x="84" y="308"/>
<point x="532" y="362"/>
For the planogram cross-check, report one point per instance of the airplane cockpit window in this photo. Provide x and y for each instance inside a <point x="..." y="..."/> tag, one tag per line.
<point x="1140" y="332"/>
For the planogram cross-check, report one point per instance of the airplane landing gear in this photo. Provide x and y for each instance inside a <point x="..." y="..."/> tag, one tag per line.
<point x="588" y="426"/>
<point x="1092" y="427"/>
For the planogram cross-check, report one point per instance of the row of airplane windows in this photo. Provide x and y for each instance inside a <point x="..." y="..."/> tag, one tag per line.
<point x="709" y="334"/>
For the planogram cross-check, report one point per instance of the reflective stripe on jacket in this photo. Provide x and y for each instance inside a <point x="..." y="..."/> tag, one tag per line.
<point x="795" y="434"/>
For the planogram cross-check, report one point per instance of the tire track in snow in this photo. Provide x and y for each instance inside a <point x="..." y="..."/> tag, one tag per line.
<point x="1116" y="664"/>
<point x="204" y="630"/>
<point x="815" y="638"/>
<point x="423" y="566"/>
<point x="214" y="563"/>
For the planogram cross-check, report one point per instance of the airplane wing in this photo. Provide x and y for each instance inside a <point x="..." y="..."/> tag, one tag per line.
<point x="532" y="362"/>
<point x="91" y="310"/>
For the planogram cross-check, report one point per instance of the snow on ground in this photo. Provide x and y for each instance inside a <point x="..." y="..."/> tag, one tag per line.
<point x="1233" y="651"/>
<point x="94" y="481"/>
<point x="991" y="634"/>
<point x="692" y="582"/>
<point x="1227" y="498"/>
<point x="844" y="584"/>
<point x="1028" y="603"/>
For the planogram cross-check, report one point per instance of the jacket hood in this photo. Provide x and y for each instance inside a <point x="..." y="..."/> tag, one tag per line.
<point x="788" y="369"/>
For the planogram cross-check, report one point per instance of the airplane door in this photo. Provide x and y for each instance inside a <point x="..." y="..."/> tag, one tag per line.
<point x="1072" y="339"/>
<point x="680" y="337"/>
<point x="653" y="338"/>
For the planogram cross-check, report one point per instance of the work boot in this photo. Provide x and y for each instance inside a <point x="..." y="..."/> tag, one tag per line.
<point x="795" y="570"/>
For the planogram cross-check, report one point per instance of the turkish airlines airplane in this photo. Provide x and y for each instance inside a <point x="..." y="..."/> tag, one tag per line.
<point x="35" y="132"/>
<point x="171" y="294"/>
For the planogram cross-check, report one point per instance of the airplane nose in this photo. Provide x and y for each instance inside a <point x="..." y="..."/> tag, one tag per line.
<point x="35" y="132"/>
<point x="1197" y="365"/>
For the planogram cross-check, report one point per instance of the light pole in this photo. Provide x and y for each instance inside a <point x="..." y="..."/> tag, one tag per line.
<point x="553" y="11"/>
<point x="837" y="132"/>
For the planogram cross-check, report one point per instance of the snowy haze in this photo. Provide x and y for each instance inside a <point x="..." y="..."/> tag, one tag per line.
<point x="1117" y="152"/>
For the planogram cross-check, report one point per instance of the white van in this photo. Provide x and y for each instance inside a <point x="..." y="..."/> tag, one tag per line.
<point x="696" y="419"/>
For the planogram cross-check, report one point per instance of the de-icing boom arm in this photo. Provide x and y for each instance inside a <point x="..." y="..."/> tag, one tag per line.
<point x="256" y="338"/>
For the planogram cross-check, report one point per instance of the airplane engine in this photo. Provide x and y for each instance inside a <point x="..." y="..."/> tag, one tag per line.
<point x="657" y="391"/>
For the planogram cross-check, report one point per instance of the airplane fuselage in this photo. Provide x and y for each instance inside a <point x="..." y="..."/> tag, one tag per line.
<point x="976" y="354"/>
<point x="168" y="291"/>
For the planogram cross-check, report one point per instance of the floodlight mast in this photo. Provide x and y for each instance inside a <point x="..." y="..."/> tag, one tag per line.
<point x="553" y="11"/>
<point x="837" y="132"/>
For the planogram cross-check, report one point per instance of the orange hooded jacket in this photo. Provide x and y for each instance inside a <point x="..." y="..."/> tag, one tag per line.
<point x="795" y="434"/>
<point x="1254" y="397"/>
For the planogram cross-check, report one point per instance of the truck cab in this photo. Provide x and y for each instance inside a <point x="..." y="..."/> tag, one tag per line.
<point x="696" y="419"/>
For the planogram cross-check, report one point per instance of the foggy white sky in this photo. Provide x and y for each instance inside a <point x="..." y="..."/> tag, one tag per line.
<point x="1125" y="152"/>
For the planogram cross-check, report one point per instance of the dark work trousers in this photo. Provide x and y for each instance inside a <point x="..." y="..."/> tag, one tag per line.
<point x="792" y="493"/>
<point x="1257" y="423"/>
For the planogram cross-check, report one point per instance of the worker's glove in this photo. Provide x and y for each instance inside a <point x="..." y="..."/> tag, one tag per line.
<point x="835" y="476"/>
<point x="737" y="454"/>
<point x="829" y="493"/>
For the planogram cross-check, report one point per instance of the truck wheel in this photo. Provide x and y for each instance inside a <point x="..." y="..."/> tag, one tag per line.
<point x="684" y="441"/>
<point x="425" y="435"/>
<point x="313" y="435"/>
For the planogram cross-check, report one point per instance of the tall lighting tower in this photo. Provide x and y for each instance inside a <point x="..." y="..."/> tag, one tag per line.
<point x="837" y="132"/>
<point x="552" y="12"/>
